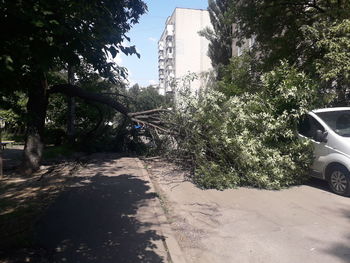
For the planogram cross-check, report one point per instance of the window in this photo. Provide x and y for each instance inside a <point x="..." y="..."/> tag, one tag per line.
<point x="308" y="126"/>
<point x="251" y="42"/>
<point x="304" y="127"/>
<point x="239" y="51"/>
<point x="338" y="121"/>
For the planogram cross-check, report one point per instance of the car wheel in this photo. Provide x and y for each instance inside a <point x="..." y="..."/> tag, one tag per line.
<point x="339" y="180"/>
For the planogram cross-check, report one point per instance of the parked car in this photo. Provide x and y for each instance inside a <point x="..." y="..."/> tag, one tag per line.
<point x="329" y="131"/>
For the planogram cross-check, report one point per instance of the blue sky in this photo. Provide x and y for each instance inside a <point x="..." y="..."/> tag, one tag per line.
<point x="145" y="36"/>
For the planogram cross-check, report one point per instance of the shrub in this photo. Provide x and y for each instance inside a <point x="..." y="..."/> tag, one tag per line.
<point x="250" y="139"/>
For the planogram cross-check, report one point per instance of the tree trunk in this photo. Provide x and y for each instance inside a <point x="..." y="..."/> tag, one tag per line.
<point x="71" y="110"/>
<point x="36" y="109"/>
<point x="1" y="153"/>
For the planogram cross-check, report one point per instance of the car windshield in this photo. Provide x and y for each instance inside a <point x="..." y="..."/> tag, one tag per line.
<point x="338" y="121"/>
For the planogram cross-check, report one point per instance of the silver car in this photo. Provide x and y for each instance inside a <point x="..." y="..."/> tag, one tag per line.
<point x="329" y="131"/>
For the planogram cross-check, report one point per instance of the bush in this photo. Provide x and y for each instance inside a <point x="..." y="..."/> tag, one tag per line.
<point x="249" y="139"/>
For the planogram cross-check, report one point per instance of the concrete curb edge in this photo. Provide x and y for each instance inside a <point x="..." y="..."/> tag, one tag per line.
<point x="174" y="250"/>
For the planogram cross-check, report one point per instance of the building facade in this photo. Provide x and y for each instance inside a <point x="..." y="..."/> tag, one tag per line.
<point x="181" y="50"/>
<point x="245" y="46"/>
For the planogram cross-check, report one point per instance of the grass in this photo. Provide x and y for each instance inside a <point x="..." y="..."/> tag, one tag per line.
<point x="12" y="137"/>
<point x="65" y="150"/>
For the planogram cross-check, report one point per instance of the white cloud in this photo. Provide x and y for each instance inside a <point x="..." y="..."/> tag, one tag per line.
<point x="152" y="82"/>
<point x="152" y="39"/>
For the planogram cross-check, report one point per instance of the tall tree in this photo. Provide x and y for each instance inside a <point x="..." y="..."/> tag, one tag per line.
<point x="278" y="26"/>
<point x="220" y="35"/>
<point x="38" y="36"/>
<point x="287" y="30"/>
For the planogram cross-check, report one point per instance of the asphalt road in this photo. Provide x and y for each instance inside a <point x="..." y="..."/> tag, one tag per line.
<point x="108" y="215"/>
<point x="300" y="224"/>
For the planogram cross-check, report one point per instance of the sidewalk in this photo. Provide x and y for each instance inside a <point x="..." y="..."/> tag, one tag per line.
<point x="111" y="214"/>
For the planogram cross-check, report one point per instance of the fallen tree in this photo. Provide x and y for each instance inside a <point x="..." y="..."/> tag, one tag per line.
<point x="34" y="143"/>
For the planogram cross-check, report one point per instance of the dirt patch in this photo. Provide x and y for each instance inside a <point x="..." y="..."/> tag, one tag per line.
<point x="167" y="177"/>
<point x="22" y="201"/>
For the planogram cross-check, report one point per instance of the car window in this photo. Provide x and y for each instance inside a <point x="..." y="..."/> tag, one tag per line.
<point x="304" y="127"/>
<point x="308" y="126"/>
<point x="315" y="125"/>
<point x="338" y="121"/>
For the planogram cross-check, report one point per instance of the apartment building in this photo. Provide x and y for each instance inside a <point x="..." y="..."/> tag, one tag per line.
<point x="181" y="50"/>
<point x="246" y="45"/>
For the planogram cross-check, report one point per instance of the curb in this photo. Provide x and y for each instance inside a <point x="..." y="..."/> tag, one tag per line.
<point x="174" y="251"/>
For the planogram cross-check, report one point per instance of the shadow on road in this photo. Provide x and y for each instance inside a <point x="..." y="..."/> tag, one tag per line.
<point x="12" y="157"/>
<point x="341" y="250"/>
<point x="319" y="184"/>
<point x="96" y="222"/>
<point x="95" y="218"/>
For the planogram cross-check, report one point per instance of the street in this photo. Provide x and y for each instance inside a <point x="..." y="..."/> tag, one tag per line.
<point x="301" y="224"/>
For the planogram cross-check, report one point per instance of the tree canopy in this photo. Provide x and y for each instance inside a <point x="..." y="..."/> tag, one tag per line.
<point x="43" y="35"/>
<point x="278" y="27"/>
<point x="40" y="36"/>
<point x="220" y="36"/>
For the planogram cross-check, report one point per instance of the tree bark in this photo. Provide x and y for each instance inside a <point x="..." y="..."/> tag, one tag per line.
<point x="36" y="111"/>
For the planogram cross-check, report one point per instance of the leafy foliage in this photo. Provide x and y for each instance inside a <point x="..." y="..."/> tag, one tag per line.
<point x="144" y="98"/>
<point x="332" y="39"/>
<point x="278" y="25"/>
<point x="220" y="36"/>
<point x="41" y="36"/>
<point x="13" y="112"/>
<point x="37" y="34"/>
<point x="239" y="76"/>
<point x="249" y="139"/>
<point x="312" y="35"/>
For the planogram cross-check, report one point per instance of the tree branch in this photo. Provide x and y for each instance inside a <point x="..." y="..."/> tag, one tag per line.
<point x="157" y="127"/>
<point x="148" y="118"/>
<point x="148" y="112"/>
<point x="75" y="91"/>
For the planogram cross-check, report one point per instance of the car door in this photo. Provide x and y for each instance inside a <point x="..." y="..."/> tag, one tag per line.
<point x="307" y="128"/>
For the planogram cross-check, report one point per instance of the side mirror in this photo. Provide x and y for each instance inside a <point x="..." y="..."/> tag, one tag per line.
<point x="321" y="136"/>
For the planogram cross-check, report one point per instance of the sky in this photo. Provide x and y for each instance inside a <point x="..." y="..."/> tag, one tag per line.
<point x="145" y="36"/>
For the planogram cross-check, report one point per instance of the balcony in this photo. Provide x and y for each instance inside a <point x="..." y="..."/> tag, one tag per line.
<point x="160" y="58"/>
<point x="170" y="30"/>
<point x="169" y="38"/>
<point x="170" y="76"/>
<point x="169" y="44"/>
<point x="161" y="45"/>
<point x="170" y="56"/>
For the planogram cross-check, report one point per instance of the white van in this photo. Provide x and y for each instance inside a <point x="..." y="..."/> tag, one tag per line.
<point x="329" y="130"/>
